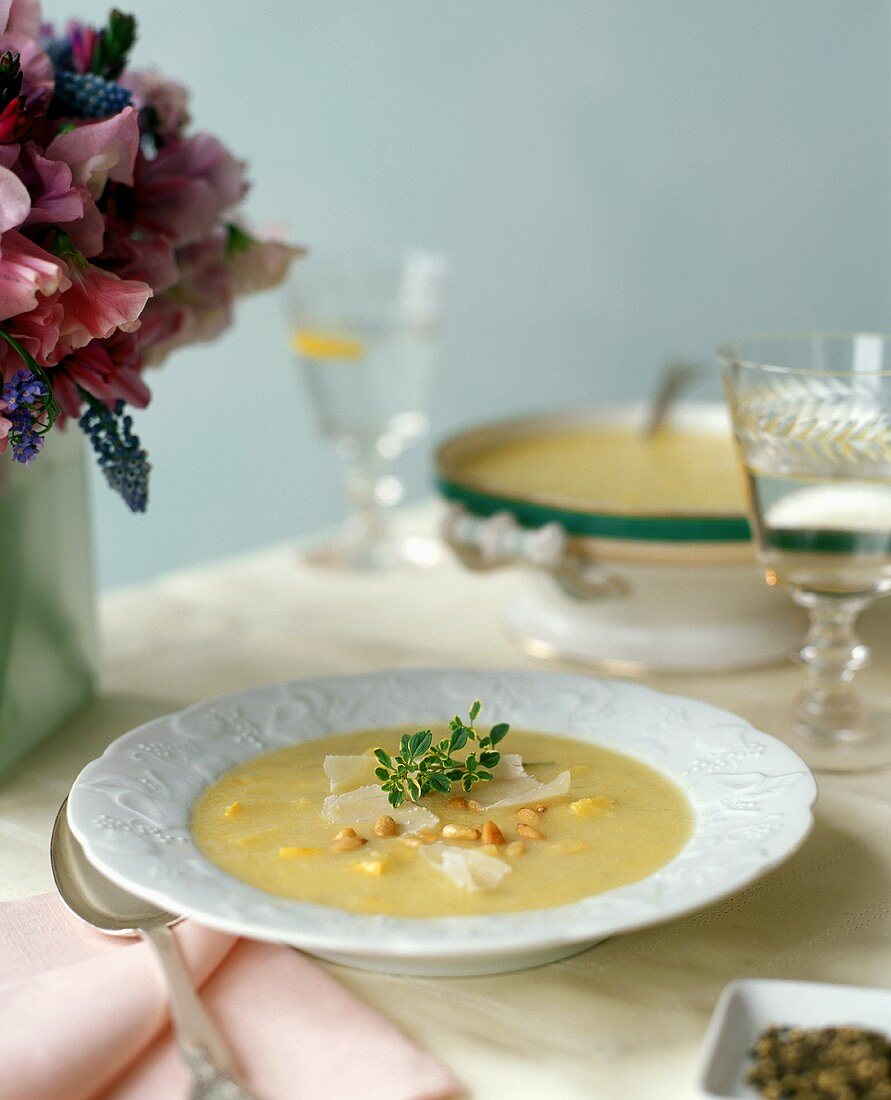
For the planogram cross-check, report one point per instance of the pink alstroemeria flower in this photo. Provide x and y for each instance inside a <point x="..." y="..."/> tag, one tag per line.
<point x="100" y="151"/>
<point x="98" y="303"/>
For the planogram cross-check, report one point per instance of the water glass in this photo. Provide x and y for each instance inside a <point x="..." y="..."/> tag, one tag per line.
<point x="812" y="419"/>
<point x="366" y="332"/>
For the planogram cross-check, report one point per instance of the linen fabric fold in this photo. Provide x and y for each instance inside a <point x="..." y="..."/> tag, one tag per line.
<point x="84" y="1015"/>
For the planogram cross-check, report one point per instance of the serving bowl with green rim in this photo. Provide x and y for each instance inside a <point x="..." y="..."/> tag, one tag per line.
<point x="627" y="588"/>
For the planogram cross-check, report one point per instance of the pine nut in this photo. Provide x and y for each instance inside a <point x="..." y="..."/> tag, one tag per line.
<point x="348" y="843"/>
<point x="344" y="833"/>
<point x="385" y="826"/>
<point x="460" y="832"/>
<point x="529" y="832"/>
<point x="541" y="809"/>
<point x="492" y="834"/>
<point x="457" y="802"/>
<point x="514" y="849"/>
<point x="527" y="816"/>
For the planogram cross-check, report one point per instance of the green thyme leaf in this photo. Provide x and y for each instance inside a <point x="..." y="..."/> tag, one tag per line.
<point x="497" y="733"/>
<point x="422" y="767"/>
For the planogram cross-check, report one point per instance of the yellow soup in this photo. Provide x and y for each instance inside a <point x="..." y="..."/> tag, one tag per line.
<point x="619" y="821"/>
<point x="616" y="468"/>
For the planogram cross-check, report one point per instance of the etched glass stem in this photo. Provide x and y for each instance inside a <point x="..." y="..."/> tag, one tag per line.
<point x="828" y="708"/>
<point x="372" y="489"/>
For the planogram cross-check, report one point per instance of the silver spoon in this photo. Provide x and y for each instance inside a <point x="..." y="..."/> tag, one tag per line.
<point x="99" y="902"/>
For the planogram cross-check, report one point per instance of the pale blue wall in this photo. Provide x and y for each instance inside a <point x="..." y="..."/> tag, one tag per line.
<point x="617" y="181"/>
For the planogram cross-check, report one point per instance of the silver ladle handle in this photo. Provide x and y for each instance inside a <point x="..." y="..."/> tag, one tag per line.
<point x="203" y="1048"/>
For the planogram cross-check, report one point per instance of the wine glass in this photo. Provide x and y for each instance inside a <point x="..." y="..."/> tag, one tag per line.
<point x="366" y="331"/>
<point x="812" y="419"/>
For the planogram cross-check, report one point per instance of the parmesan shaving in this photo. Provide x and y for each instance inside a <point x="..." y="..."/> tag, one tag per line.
<point x="468" y="868"/>
<point x="348" y="772"/>
<point x="514" y="786"/>
<point x="366" y="804"/>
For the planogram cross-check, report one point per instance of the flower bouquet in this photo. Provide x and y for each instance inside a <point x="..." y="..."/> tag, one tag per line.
<point x="118" y="243"/>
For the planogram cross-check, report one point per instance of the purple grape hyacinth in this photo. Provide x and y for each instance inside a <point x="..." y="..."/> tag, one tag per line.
<point x="90" y="95"/>
<point x="118" y="452"/>
<point x="24" y="398"/>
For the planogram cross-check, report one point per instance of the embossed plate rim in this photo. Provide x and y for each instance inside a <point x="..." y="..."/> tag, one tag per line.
<point x="752" y="797"/>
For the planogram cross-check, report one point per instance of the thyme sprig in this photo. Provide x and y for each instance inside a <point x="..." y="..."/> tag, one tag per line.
<point x="422" y="766"/>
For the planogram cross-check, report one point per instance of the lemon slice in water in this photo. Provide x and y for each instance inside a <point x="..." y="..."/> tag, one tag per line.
<point x="327" y="345"/>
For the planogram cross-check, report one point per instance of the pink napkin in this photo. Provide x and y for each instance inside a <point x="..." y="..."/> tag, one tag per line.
<point x="83" y="1015"/>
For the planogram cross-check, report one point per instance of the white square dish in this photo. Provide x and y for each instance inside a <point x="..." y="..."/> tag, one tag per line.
<point x="747" y="1007"/>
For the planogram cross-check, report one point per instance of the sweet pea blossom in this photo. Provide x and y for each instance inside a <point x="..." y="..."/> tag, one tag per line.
<point x="98" y="303"/>
<point x="116" y="236"/>
<point x="26" y="271"/>
<point x="262" y="264"/>
<point x="167" y="101"/>
<point x="37" y="331"/>
<point x="199" y="307"/>
<point x="185" y="190"/>
<point x="53" y="196"/>
<point x="5" y="427"/>
<point x="108" y="369"/>
<point x="21" y="16"/>
<point x="99" y="151"/>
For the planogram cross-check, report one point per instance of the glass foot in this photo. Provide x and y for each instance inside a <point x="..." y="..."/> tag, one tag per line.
<point x="357" y="555"/>
<point x="864" y="748"/>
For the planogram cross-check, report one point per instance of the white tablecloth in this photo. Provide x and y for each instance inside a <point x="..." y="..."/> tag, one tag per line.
<point x="623" y="1020"/>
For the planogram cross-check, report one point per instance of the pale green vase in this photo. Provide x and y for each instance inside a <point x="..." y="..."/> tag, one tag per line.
<point x="47" y="617"/>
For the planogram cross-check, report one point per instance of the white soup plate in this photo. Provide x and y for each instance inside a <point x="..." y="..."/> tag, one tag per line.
<point x="752" y="800"/>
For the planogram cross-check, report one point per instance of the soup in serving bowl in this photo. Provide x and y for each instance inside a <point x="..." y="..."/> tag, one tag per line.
<point x="581" y="820"/>
<point x="638" y="547"/>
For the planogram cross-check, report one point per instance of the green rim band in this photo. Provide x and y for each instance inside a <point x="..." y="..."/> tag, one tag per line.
<point x="603" y="525"/>
<point x="804" y="541"/>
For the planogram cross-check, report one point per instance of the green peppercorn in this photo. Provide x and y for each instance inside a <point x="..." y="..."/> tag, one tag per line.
<point x="833" y="1063"/>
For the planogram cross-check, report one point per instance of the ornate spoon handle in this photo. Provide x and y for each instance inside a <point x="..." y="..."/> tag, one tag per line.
<point x="203" y="1048"/>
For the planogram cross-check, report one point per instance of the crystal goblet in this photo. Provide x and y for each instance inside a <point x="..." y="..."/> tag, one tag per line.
<point x="812" y="419"/>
